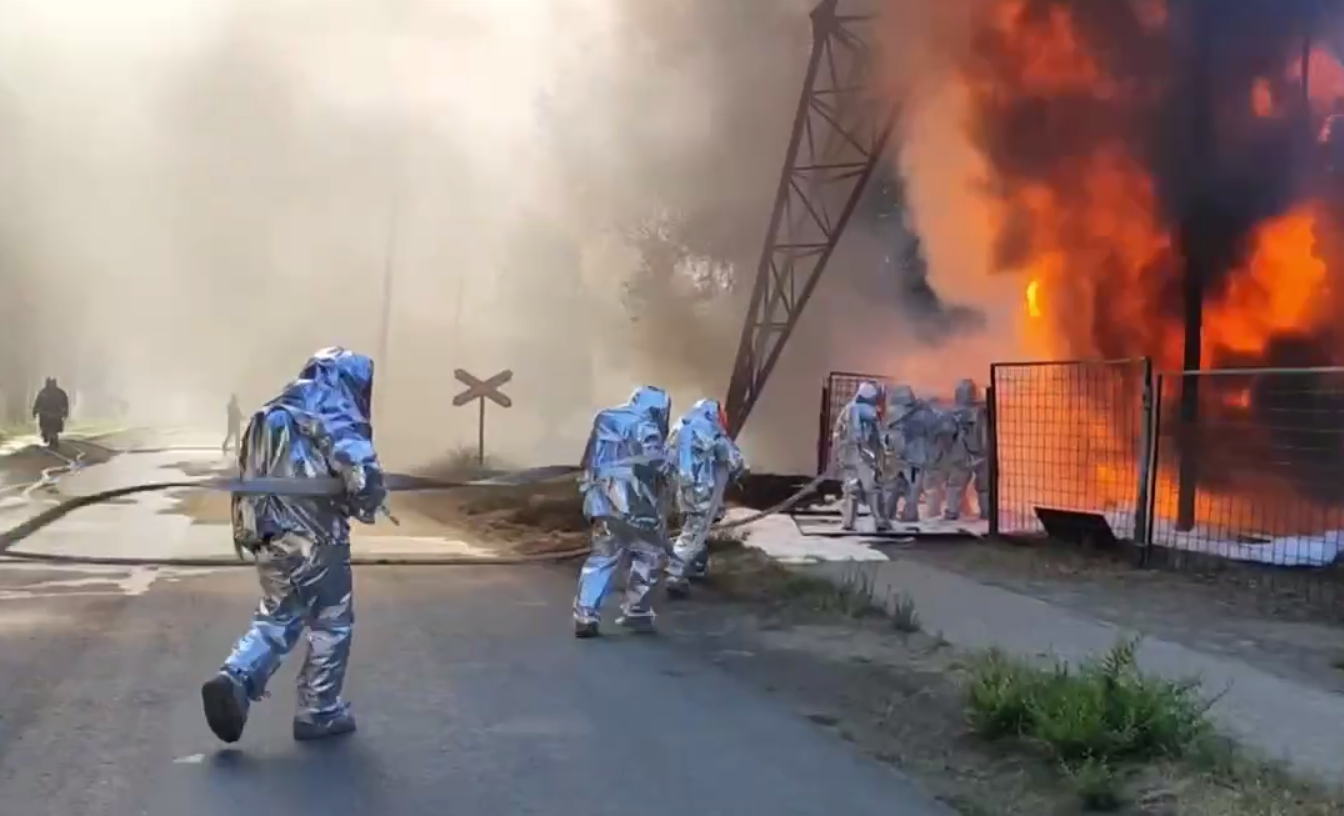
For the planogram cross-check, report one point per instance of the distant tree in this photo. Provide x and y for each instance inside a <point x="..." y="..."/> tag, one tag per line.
<point x="673" y="274"/>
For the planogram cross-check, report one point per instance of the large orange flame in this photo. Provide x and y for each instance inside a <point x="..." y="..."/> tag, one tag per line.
<point x="1106" y="221"/>
<point x="1094" y="252"/>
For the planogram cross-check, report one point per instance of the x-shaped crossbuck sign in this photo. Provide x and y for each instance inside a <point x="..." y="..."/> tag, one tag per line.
<point x="483" y="389"/>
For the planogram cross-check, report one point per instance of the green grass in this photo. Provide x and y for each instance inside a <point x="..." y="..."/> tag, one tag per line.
<point x="1096" y="720"/>
<point x="750" y="574"/>
<point x="1098" y="785"/>
<point x="905" y="616"/>
<point x="753" y="575"/>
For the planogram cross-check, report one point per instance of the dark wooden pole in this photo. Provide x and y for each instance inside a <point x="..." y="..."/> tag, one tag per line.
<point x="1196" y="238"/>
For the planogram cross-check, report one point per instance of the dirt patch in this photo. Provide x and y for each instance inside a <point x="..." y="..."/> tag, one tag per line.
<point x="528" y="520"/>
<point x="901" y="697"/>
<point x="535" y="519"/>
<point x="531" y="520"/>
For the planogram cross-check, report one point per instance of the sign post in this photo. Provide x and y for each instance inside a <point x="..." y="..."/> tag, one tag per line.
<point x="482" y="390"/>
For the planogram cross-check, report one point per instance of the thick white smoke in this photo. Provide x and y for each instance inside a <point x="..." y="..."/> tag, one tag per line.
<point x="196" y="194"/>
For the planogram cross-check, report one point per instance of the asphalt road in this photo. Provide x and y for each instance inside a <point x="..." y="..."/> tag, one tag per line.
<point x="471" y="694"/>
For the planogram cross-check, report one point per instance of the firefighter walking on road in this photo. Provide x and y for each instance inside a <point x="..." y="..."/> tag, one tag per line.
<point x="705" y="462"/>
<point x="319" y="426"/>
<point x="625" y="477"/>
<point x="235" y="429"/>
<point x="51" y="409"/>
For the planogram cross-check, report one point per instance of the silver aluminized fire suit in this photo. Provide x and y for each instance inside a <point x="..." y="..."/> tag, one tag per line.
<point x="942" y="440"/>
<point x="969" y="456"/>
<point x="318" y="427"/>
<point x="857" y="442"/>
<point x="626" y="474"/>
<point x="706" y="461"/>
<point x="907" y="426"/>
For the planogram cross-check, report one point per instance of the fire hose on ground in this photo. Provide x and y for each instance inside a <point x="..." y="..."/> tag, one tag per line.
<point x="50" y="476"/>
<point x="331" y="486"/>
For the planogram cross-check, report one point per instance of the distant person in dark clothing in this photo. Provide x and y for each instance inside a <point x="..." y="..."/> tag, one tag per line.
<point x="235" y="425"/>
<point x="51" y="409"/>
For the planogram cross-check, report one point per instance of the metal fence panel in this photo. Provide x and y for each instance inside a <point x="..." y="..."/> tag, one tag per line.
<point x="839" y="390"/>
<point x="1070" y="436"/>
<point x="1263" y="456"/>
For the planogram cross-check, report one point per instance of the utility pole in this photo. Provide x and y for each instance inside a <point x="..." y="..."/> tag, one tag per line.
<point x="389" y="274"/>
<point x="457" y="309"/>
<point x="390" y="260"/>
<point x="1196" y="235"/>
<point x="396" y="162"/>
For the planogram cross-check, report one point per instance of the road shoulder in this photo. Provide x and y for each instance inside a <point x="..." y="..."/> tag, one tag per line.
<point x="896" y="687"/>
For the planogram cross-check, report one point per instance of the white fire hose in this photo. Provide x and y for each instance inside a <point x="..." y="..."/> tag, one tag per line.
<point x="324" y="487"/>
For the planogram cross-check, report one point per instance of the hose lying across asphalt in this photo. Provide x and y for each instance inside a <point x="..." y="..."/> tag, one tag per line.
<point x="536" y="476"/>
<point x="49" y="475"/>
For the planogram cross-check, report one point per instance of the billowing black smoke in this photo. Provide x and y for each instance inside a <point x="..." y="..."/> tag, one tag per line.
<point x="884" y="212"/>
<point x="1176" y="89"/>
<point x="1176" y="93"/>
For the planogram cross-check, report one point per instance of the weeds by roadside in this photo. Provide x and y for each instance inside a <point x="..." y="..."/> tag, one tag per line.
<point x="904" y="615"/>
<point x="466" y="463"/>
<point x="990" y="733"/>
<point x="751" y="574"/>
<point x="854" y="596"/>
<point x="1097" y="721"/>
<point x="1125" y="738"/>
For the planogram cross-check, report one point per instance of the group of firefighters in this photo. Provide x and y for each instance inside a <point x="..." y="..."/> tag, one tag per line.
<point x="895" y="450"/>
<point x="635" y="466"/>
<point x="638" y="472"/>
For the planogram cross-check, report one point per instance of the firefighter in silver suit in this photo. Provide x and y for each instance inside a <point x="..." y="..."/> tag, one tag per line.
<point x="969" y="457"/>
<point x="706" y="461"/>
<point x="857" y="442"/>
<point x="625" y="479"/>
<point x="906" y="428"/>
<point x="319" y="426"/>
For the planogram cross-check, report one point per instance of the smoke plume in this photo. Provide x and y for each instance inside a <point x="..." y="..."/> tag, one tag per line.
<point x="1099" y="157"/>
<point x="1120" y="140"/>
<point x="196" y="194"/>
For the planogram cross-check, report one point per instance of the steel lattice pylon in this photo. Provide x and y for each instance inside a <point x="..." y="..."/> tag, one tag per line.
<point x="839" y="134"/>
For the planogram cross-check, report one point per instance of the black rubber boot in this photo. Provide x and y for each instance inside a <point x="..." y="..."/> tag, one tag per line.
<point x="638" y="624"/>
<point x="226" y="704"/>
<point x="678" y="589"/>
<point x="307" y="730"/>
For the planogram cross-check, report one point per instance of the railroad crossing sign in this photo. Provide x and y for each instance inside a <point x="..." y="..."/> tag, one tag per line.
<point x="480" y="391"/>
<point x="483" y="389"/>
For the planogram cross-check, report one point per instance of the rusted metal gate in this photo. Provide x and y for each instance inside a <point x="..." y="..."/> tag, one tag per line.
<point x="1070" y="435"/>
